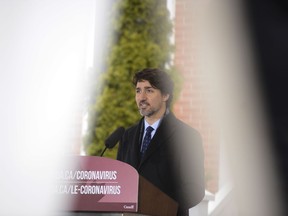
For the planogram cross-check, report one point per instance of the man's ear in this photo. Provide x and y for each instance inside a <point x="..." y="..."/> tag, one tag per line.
<point x="165" y="97"/>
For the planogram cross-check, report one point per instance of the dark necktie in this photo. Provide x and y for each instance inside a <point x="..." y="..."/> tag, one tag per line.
<point x="146" y="140"/>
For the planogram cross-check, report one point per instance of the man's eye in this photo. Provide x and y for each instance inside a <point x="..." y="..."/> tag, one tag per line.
<point x="149" y="90"/>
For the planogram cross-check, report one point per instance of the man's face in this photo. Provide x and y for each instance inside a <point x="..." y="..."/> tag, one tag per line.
<point x="150" y="101"/>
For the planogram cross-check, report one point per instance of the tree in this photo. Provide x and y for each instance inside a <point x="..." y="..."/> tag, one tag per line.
<point x="141" y="38"/>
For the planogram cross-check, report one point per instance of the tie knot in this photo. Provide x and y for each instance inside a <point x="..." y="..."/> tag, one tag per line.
<point x="149" y="129"/>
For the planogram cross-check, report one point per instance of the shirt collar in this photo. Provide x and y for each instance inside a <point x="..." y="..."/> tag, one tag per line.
<point x="154" y="126"/>
<point x="157" y="123"/>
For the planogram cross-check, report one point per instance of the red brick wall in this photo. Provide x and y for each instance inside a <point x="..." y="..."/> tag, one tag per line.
<point x="191" y="106"/>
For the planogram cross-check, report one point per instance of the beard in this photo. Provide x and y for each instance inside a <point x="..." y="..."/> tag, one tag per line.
<point x="147" y="112"/>
<point x="145" y="109"/>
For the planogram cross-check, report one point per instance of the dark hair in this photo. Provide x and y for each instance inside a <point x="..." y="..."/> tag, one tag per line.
<point x="158" y="79"/>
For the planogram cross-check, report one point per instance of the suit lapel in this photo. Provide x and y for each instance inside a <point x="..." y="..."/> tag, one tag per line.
<point x="136" y="143"/>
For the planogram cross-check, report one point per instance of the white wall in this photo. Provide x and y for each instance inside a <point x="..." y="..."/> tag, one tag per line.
<point x="45" y="49"/>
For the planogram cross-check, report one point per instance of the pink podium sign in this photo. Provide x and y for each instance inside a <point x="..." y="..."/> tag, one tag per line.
<point x="91" y="183"/>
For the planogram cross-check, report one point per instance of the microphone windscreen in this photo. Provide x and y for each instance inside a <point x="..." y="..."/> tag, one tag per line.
<point x="115" y="137"/>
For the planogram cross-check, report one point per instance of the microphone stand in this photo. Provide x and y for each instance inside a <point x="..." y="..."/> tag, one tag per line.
<point x="103" y="152"/>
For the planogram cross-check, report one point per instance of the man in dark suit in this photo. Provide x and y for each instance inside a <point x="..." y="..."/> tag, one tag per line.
<point x="173" y="159"/>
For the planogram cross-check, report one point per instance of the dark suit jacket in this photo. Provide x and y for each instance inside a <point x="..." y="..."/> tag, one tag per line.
<point x="174" y="160"/>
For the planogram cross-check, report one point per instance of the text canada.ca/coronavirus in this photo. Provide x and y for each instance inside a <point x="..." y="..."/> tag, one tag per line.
<point x="87" y="175"/>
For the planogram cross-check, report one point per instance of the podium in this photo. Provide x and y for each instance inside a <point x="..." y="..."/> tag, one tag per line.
<point x="92" y="185"/>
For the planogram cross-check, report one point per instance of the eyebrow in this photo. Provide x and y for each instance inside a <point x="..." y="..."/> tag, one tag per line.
<point x="146" y="87"/>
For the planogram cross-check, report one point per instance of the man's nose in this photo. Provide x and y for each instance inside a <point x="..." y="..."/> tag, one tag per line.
<point x="142" y="95"/>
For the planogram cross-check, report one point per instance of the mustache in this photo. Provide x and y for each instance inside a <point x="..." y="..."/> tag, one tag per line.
<point x="143" y="102"/>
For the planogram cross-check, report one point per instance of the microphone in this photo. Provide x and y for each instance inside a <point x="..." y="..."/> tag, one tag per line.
<point x="113" y="139"/>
